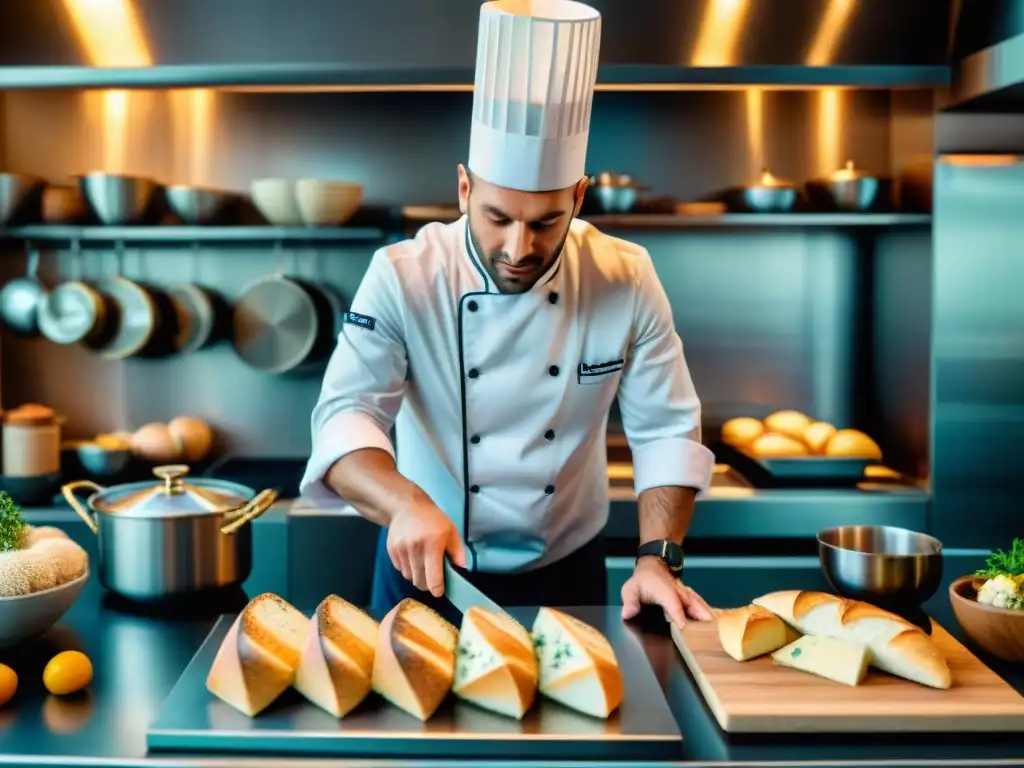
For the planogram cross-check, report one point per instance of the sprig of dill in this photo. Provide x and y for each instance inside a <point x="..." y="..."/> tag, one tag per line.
<point x="1001" y="563"/>
<point x="11" y="524"/>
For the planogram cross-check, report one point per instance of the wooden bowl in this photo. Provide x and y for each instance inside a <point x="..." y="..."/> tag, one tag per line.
<point x="1000" y="631"/>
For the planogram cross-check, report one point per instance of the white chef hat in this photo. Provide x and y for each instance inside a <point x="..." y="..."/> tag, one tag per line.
<point x="535" y="72"/>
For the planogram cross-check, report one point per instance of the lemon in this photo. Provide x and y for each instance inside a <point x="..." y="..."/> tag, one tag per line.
<point x="67" y="672"/>
<point x="8" y="683"/>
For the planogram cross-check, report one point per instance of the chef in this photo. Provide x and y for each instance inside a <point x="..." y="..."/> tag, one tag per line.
<point x="494" y="347"/>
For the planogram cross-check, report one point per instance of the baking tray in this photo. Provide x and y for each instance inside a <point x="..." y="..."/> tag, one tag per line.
<point x="642" y="729"/>
<point x="802" y="467"/>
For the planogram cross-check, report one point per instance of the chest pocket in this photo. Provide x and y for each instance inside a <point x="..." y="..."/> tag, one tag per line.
<point x="599" y="373"/>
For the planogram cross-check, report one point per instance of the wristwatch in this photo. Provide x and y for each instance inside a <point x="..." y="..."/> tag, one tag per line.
<point x="669" y="552"/>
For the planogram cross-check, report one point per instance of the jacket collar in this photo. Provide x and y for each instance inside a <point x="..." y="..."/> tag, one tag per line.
<point x="470" y="252"/>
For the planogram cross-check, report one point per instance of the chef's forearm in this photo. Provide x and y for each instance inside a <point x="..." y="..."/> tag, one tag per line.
<point x="369" y="480"/>
<point x="665" y="513"/>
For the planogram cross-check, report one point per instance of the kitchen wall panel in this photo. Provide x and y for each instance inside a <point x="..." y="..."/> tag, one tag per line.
<point x="768" y="316"/>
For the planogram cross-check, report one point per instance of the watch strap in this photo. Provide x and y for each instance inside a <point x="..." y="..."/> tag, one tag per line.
<point x="667" y="551"/>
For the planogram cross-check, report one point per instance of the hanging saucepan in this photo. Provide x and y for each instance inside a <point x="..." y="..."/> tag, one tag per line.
<point x="168" y="312"/>
<point x="282" y="324"/>
<point x="204" y="317"/>
<point x="75" y="312"/>
<point x="137" y="318"/>
<point x="172" y="538"/>
<point x="19" y="299"/>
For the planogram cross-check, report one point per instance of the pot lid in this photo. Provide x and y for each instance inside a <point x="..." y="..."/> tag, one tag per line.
<point x="172" y="497"/>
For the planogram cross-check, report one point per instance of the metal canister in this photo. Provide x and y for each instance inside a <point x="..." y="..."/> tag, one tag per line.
<point x="31" y="441"/>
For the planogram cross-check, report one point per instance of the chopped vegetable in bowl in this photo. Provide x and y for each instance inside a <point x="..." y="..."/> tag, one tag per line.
<point x="1001" y="582"/>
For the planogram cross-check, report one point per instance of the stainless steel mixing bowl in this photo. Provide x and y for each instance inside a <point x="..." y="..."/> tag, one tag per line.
<point x="196" y="205"/>
<point x="116" y="199"/>
<point x="880" y="564"/>
<point x="15" y="191"/>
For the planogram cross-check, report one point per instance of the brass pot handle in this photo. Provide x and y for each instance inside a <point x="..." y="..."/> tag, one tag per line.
<point x="263" y="501"/>
<point x="69" y="493"/>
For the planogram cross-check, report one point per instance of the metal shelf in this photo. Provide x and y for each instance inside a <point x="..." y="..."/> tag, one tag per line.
<point x="193" y="234"/>
<point x="424" y="214"/>
<point x="176" y="235"/>
<point x="282" y="76"/>
<point x="671" y="221"/>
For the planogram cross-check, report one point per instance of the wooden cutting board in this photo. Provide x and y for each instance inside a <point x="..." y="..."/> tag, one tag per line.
<point x="758" y="696"/>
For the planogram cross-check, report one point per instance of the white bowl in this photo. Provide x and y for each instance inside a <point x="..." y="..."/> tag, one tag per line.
<point x="26" y="616"/>
<point x="325" y="203"/>
<point x="275" y="199"/>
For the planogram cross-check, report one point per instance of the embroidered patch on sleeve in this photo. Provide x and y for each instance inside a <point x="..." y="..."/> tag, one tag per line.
<point x="363" y="321"/>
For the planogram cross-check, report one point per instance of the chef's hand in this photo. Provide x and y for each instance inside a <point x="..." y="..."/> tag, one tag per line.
<point x="653" y="583"/>
<point x="418" y="538"/>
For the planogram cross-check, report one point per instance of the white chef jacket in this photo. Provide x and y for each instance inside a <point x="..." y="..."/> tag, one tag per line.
<point x="500" y="401"/>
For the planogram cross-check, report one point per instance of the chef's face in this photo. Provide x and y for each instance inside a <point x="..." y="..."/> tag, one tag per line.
<point x="518" y="235"/>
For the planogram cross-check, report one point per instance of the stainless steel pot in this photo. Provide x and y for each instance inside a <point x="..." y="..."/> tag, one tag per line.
<point x="848" y="189"/>
<point x="168" y="539"/>
<point x="769" y="194"/>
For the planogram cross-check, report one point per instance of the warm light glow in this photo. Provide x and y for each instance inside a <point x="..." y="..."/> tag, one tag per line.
<point x="830" y="130"/>
<point x="830" y="100"/>
<point x="115" y="135"/>
<point x="193" y="113"/>
<point x="755" y="131"/>
<point x="981" y="160"/>
<point x="111" y="36"/>
<point x="833" y="24"/>
<point x="720" y="33"/>
<point x="109" y="32"/>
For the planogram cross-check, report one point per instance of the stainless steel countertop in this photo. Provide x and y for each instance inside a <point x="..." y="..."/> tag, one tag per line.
<point x="138" y="659"/>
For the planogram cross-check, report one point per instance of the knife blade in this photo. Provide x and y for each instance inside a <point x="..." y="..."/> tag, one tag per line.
<point x="463" y="594"/>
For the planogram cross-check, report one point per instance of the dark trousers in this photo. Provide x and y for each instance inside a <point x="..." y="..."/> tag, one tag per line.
<point x="578" y="579"/>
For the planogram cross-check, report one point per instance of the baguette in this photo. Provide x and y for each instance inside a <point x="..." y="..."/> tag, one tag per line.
<point x="337" y="664"/>
<point x="897" y="646"/>
<point x="256" y="663"/>
<point x="752" y="631"/>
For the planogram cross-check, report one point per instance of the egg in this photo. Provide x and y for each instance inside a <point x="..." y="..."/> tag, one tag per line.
<point x="8" y="684"/>
<point x="67" y="672"/>
<point x="193" y="436"/>
<point x="154" y="442"/>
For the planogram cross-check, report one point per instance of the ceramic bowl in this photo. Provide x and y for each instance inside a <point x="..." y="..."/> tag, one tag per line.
<point x="27" y="616"/>
<point x="1000" y="631"/>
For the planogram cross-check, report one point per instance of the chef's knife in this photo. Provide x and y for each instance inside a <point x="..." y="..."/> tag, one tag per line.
<point x="463" y="595"/>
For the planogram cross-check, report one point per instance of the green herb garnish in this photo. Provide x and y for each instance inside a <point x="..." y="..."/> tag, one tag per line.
<point x="1001" y="563"/>
<point x="11" y="524"/>
<point x="795" y="652"/>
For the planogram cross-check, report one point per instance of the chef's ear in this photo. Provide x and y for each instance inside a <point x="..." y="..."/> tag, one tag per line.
<point x="581" y="190"/>
<point x="465" y="185"/>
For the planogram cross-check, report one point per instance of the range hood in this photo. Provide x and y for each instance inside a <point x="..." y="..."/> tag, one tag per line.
<point x="423" y="44"/>
<point x="988" y="46"/>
